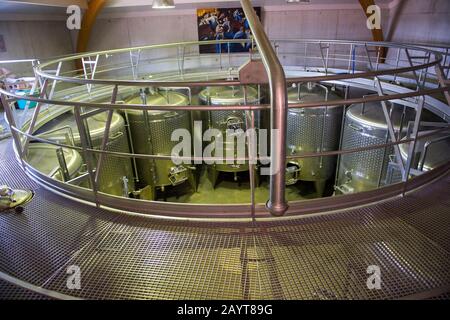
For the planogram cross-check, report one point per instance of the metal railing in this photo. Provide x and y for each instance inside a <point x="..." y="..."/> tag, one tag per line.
<point x="277" y="203"/>
<point x="329" y="70"/>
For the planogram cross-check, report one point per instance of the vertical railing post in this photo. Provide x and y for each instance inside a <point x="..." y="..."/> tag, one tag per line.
<point x="12" y="123"/>
<point x="36" y="112"/>
<point x="252" y="152"/>
<point x="277" y="204"/>
<point x="412" y="145"/>
<point x="105" y="139"/>
<point x="85" y="145"/>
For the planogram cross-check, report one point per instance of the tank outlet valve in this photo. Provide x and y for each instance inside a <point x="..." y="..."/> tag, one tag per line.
<point x="125" y="187"/>
<point x="292" y="174"/>
<point x="344" y="189"/>
<point x="348" y="176"/>
<point x="178" y="175"/>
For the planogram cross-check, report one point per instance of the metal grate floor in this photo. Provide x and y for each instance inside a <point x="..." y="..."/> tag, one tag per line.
<point x="316" y="257"/>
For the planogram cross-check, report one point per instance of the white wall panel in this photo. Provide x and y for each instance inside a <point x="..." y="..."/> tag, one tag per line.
<point x="417" y="21"/>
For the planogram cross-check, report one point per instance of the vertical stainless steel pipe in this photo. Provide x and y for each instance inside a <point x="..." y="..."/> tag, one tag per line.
<point x="277" y="204"/>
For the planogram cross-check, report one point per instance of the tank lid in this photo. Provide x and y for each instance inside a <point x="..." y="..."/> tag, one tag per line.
<point x="43" y="157"/>
<point x="95" y="123"/>
<point x="162" y="98"/>
<point x="310" y="92"/>
<point x="232" y="95"/>
<point x="371" y="114"/>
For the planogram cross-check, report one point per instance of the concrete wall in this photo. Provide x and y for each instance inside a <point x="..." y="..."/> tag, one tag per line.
<point x="137" y="31"/>
<point x="417" y="21"/>
<point x="426" y="21"/>
<point x="30" y="39"/>
<point x="321" y="24"/>
<point x="420" y="21"/>
<point x="349" y="24"/>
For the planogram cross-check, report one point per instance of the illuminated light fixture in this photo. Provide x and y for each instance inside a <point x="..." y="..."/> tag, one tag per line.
<point x="163" y="4"/>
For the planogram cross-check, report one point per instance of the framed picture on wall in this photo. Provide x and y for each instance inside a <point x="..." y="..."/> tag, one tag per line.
<point x="222" y="24"/>
<point x="2" y="44"/>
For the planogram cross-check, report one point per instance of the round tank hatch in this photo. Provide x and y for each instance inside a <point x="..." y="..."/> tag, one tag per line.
<point x="169" y="98"/>
<point x="228" y="95"/>
<point x="44" y="158"/>
<point x="306" y="92"/>
<point x="371" y="115"/>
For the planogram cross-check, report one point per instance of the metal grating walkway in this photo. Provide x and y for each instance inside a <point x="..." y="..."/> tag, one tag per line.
<point x="316" y="257"/>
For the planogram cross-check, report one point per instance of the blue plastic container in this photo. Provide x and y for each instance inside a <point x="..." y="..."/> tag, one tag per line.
<point x="22" y="103"/>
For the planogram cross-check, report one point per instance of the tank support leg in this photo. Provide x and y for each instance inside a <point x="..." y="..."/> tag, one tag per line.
<point x="213" y="176"/>
<point x="192" y="180"/>
<point x="164" y="193"/>
<point x="320" y="187"/>
<point x="257" y="180"/>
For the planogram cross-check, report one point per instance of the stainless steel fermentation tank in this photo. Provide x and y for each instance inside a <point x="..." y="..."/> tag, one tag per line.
<point x="116" y="176"/>
<point x="365" y="125"/>
<point x="312" y="130"/>
<point x="224" y="120"/>
<point x="55" y="162"/>
<point x="430" y="153"/>
<point x="151" y="133"/>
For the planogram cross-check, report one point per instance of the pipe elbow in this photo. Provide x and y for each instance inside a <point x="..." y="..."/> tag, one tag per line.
<point x="277" y="210"/>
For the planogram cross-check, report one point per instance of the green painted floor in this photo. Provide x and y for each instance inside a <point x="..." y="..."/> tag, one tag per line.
<point x="228" y="191"/>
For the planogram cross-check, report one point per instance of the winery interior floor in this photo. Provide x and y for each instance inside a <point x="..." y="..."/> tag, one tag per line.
<point x="229" y="191"/>
<point x="314" y="257"/>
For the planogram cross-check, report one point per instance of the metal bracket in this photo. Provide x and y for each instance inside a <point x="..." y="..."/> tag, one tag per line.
<point x="414" y="71"/>
<point x="412" y="146"/>
<point x="135" y="58"/>
<point x="253" y="72"/>
<point x="443" y="82"/>
<point x="180" y="59"/>
<point x="65" y="174"/>
<point x="325" y="56"/>
<point x="178" y="175"/>
<point x="89" y="69"/>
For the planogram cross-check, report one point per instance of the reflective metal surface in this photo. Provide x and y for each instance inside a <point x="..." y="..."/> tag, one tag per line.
<point x="312" y="130"/>
<point x="303" y="61"/>
<point x="229" y="120"/>
<point x="14" y="198"/>
<point x="114" y="170"/>
<point x="429" y="154"/>
<point x="59" y="163"/>
<point x="151" y="133"/>
<point x="366" y="125"/>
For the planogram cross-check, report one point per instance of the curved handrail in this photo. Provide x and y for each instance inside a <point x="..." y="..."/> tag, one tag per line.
<point x="78" y="104"/>
<point x="41" y="72"/>
<point x="241" y="107"/>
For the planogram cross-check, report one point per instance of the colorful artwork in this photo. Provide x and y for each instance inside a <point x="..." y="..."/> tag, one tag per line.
<point x="221" y="24"/>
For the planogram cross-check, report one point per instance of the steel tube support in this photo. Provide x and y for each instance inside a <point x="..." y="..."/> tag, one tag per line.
<point x="12" y="124"/>
<point x="412" y="146"/>
<point x="277" y="204"/>
<point x="106" y="135"/>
